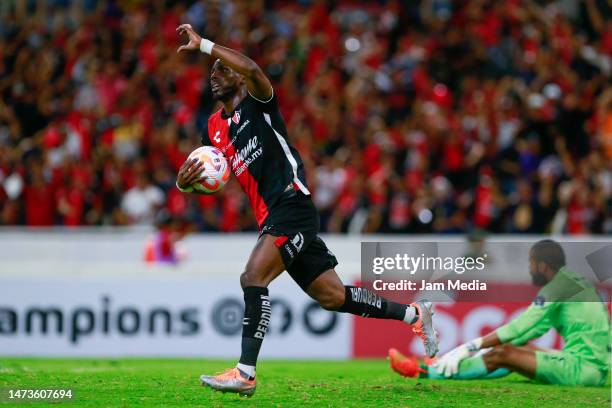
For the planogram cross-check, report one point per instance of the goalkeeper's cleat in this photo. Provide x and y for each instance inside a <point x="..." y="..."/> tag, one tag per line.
<point x="230" y="381"/>
<point x="424" y="327"/>
<point x="405" y="366"/>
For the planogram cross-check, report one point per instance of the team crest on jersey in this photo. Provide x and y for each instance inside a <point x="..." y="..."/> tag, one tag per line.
<point x="236" y="117"/>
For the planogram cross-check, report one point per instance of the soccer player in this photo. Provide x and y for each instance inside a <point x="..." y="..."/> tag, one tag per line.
<point x="566" y="302"/>
<point x="251" y="132"/>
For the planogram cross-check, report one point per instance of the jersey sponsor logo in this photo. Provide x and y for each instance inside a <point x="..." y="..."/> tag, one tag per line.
<point x="246" y="150"/>
<point x="240" y="129"/>
<point x="236" y="117"/>
<point x="217" y="138"/>
<point x="243" y="158"/>
<point x="266" y="314"/>
<point x="362" y="295"/>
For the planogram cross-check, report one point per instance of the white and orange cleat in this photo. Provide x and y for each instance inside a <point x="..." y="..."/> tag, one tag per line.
<point x="424" y="327"/>
<point x="230" y="381"/>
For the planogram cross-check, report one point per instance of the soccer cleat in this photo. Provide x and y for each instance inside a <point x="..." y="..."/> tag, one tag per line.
<point x="405" y="366"/>
<point x="230" y="381"/>
<point x="424" y="327"/>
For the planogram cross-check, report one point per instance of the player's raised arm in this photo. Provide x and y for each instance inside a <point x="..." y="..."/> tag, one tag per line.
<point x="257" y="83"/>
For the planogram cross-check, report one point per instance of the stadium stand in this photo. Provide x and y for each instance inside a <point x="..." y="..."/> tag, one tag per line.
<point x="427" y="116"/>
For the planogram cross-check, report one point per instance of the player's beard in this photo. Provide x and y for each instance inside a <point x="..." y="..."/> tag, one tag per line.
<point x="225" y="94"/>
<point x="538" y="279"/>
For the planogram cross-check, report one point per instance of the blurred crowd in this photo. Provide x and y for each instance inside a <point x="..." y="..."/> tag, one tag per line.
<point x="430" y="116"/>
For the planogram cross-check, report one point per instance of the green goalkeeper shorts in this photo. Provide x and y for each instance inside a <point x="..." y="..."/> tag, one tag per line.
<point x="566" y="369"/>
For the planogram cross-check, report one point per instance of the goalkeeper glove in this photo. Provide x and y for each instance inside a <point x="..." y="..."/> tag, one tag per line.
<point x="449" y="363"/>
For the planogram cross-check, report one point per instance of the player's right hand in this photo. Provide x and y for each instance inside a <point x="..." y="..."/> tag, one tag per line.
<point x="448" y="364"/>
<point x="189" y="173"/>
<point x="194" y="38"/>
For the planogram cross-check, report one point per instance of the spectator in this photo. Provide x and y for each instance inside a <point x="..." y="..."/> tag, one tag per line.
<point x="141" y="201"/>
<point x="163" y="248"/>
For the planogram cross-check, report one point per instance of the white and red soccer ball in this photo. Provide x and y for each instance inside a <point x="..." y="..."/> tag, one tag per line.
<point x="216" y="171"/>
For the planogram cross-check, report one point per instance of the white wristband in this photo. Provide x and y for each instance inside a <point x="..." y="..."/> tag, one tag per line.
<point x="184" y="190"/>
<point x="206" y="46"/>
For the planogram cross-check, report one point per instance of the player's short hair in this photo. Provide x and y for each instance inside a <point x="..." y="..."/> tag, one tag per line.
<point x="549" y="252"/>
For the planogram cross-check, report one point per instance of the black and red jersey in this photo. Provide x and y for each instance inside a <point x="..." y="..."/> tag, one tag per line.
<point x="254" y="140"/>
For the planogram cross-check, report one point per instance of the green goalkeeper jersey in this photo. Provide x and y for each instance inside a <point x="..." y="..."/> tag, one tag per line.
<point x="570" y="304"/>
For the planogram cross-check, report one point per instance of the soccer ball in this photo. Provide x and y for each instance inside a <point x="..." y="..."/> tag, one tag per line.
<point x="216" y="169"/>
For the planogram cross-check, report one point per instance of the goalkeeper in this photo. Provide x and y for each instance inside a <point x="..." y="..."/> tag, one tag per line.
<point x="566" y="302"/>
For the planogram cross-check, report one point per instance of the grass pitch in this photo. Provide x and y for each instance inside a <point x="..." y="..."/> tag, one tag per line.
<point x="369" y="383"/>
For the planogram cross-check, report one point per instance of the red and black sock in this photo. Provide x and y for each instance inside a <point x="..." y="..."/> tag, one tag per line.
<point x="257" y="313"/>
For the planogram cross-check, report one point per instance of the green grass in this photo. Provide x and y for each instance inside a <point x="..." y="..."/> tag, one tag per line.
<point x="162" y="383"/>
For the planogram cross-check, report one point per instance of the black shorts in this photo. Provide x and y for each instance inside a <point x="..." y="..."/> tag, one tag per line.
<point x="295" y="224"/>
